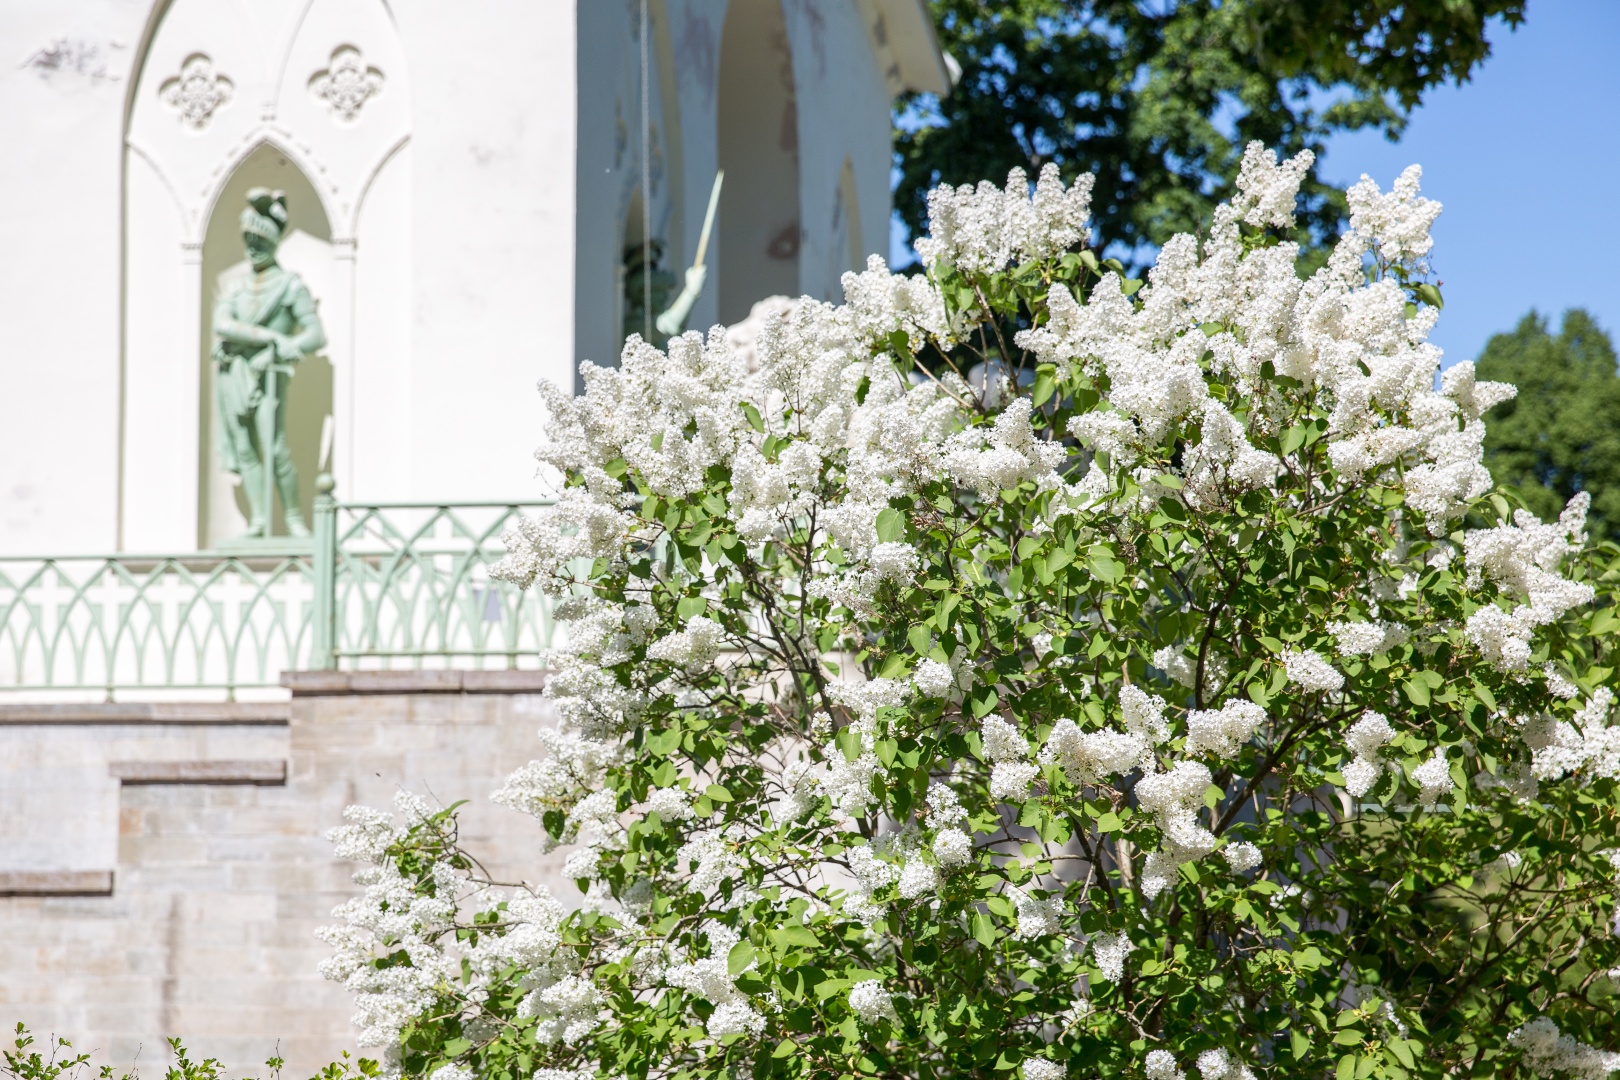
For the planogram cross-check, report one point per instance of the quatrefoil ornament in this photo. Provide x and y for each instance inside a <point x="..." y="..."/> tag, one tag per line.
<point x="346" y="84"/>
<point x="197" y="92"/>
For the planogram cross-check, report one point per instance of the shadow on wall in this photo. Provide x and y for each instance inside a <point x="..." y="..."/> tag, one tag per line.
<point x="759" y="229"/>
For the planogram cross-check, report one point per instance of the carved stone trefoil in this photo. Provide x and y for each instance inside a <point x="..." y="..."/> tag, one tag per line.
<point x="346" y="84"/>
<point x="197" y="92"/>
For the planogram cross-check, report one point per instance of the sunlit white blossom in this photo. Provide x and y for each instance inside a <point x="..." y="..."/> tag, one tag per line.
<point x="1433" y="778"/>
<point x="1161" y="1065"/>
<point x="1311" y="671"/>
<point x="871" y="1002"/>
<point x="1037" y="917"/>
<point x="933" y="678"/>
<point x="1108" y="952"/>
<point x="1242" y="856"/>
<point x="1548" y="1052"/>
<point x="1366" y="638"/>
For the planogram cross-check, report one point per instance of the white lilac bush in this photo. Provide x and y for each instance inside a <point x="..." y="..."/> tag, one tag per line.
<point x="1032" y="672"/>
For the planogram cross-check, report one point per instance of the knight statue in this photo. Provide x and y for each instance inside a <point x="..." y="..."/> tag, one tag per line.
<point x="263" y="325"/>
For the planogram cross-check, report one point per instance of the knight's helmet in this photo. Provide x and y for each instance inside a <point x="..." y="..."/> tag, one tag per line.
<point x="266" y="214"/>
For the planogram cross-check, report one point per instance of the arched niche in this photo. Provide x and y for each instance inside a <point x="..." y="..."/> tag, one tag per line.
<point x="759" y="230"/>
<point x="307" y="251"/>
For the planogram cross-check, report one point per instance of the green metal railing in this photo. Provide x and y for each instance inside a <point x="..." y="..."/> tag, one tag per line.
<point x="383" y="585"/>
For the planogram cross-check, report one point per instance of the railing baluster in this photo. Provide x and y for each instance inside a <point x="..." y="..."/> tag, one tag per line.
<point x="389" y="584"/>
<point x="323" y="638"/>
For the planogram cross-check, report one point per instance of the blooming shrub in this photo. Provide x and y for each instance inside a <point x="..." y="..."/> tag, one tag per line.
<point x="1028" y="671"/>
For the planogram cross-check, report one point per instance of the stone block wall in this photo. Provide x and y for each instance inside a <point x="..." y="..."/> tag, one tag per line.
<point x="163" y="868"/>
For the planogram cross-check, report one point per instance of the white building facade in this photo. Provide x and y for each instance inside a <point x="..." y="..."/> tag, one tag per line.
<point x="462" y="180"/>
<point x="183" y="715"/>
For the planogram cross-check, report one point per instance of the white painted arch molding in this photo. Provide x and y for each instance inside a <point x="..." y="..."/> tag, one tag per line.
<point x="324" y="81"/>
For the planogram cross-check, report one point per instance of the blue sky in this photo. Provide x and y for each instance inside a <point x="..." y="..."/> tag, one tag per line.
<point x="1526" y="160"/>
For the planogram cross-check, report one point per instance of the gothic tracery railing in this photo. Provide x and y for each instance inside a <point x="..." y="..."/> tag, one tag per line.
<point x="401" y="585"/>
<point x="412" y="590"/>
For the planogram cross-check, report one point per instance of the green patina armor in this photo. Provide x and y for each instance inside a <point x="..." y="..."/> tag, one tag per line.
<point x="263" y="325"/>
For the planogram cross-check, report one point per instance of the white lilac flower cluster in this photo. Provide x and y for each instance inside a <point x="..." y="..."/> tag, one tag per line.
<point x="1366" y="739"/>
<point x="1217" y="1064"/>
<point x="822" y="432"/>
<point x="1395" y="225"/>
<point x="397" y="914"/>
<point x="1038" y="916"/>
<point x="1011" y="774"/>
<point x="1221" y="732"/>
<point x="1522" y="560"/>
<point x="871" y="1002"/>
<point x="1161" y="1065"/>
<point x="1242" y="855"/>
<point x="953" y="847"/>
<point x="1184" y="669"/>
<point x="1548" y="1052"/>
<point x="1350" y="338"/>
<point x="981" y="229"/>
<point x="1366" y="638"/>
<point x="1088" y="757"/>
<point x="1109" y="952"/>
<point x="1174" y="798"/>
<point x="1586" y="743"/>
<point x="390" y="910"/>
<point x="847" y="780"/>
<point x="1433" y="778"/>
<point x="1043" y="1069"/>
<point x="1310" y="670"/>
<point x="711" y="980"/>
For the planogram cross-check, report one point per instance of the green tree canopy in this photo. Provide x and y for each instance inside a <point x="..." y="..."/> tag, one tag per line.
<point x="1159" y="98"/>
<point x="1562" y="433"/>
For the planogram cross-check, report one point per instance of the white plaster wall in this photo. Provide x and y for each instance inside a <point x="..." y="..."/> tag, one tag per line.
<point x="694" y="34"/>
<point x="492" y="227"/>
<point x="173" y="173"/>
<point x="375" y="451"/>
<point x="59" y="280"/>
<point x="761" y="227"/>
<point x="162" y="389"/>
<point x="357" y="154"/>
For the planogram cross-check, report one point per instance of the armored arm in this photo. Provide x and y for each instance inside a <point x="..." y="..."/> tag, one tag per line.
<point x="311" y="335"/>
<point x="228" y="328"/>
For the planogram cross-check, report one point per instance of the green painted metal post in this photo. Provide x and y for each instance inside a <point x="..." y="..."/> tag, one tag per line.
<point x="323" y="634"/>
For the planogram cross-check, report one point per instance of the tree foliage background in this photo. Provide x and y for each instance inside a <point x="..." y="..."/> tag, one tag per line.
<point x="1157" y="98"/>
<point x="1562" y="433"/>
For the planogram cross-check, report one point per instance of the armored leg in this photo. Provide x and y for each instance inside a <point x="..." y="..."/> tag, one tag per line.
<point x="287" y="485"/>
<point x="287" y="477"/>
<point x="252" y="474"/>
